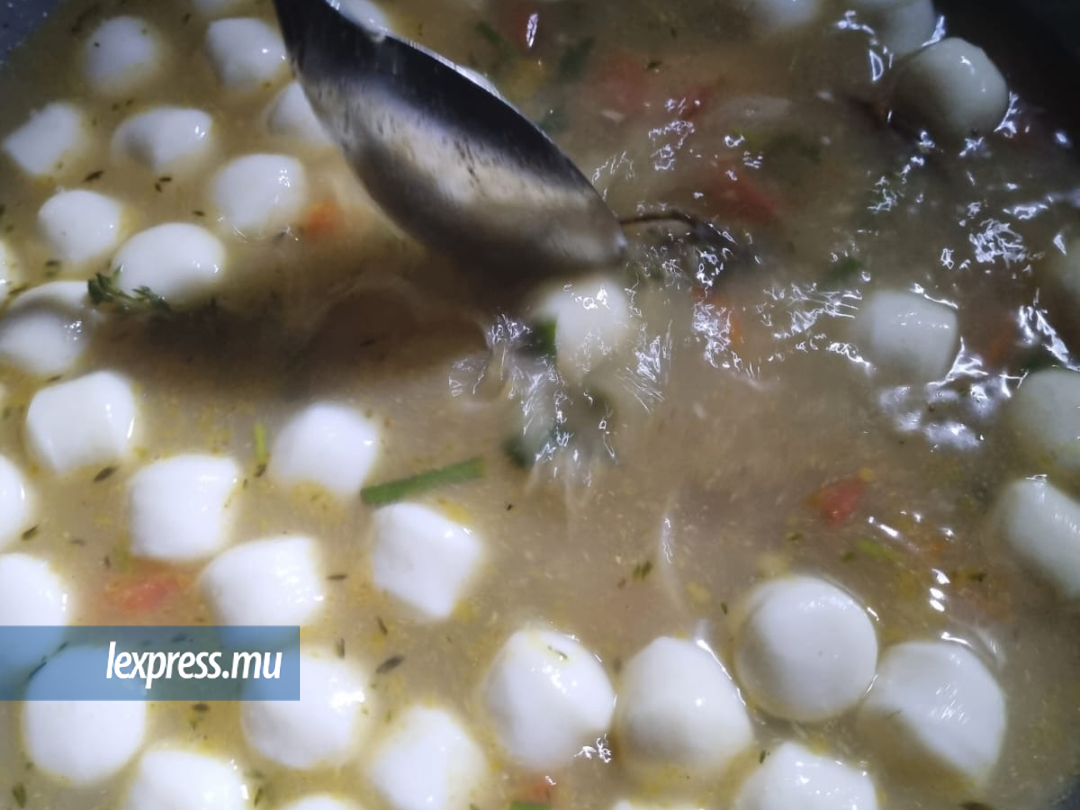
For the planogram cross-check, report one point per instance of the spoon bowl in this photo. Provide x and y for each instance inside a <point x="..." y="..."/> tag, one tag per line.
<point x="449" y="161"/>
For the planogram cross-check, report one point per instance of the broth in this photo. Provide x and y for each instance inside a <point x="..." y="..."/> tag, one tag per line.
<point x="748" y="391"/>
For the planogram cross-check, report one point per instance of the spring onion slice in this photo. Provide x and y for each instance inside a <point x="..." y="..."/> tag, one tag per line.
<point x="391" y="491"/>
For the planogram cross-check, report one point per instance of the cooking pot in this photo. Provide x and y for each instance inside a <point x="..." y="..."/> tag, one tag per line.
<point x="1036" y="42"/>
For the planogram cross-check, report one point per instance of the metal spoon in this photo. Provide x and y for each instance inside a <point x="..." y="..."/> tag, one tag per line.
<point x="450" y="162"/>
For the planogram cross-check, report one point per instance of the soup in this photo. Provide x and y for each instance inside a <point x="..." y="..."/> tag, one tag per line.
<point x="779" y="514"/>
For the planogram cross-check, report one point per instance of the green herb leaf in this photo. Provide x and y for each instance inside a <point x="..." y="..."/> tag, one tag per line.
<point x="541" y="338"/>
<point x="574" y="60"/>
<point x="642" y="570"/>
<point x="19" y="793"/>
<point x="392" y="491"/>
<point x="877" y="551"/>
<point x="841" y="271"/>
<point x="105" y="289"/>
<point x="529" y="806"/>
<point x="490" y="34"/>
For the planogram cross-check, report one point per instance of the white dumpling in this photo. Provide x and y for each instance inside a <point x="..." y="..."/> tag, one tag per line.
<point x="246" y="53"/>
<point x="548" y="697"/>
<point x="275" y="582"/>
<point x="47" y="329"/>
<point x="593" y="320"/>
<point x="793" y="778"/>
<point x="678" y="714"/>
<point x="81" y="742"/>
<point x="903" y="26"/>
<point x="907" y="336"/>
<point x="123" y="55"/>
<point x="80" y="225"/>
<point x="180" y="262"/>
<point x="366" y="13"/>
<point x="31" y="594"/>
<point x="1041" y="524"/>
<point x="331" y="446"/>
<point x="258" y="196"/>
<point x="53" y="139"/>
<point x="16" y="504"/>
<point x="936" y="711"/>
<point x="779" y="16"/>
<point x="86" y="421"/>
<point x="1045" y="415"/>
<point x="321" y="801"/>
<point x="184" y="780"/>
<point x="323" y="728"/>
<point x="953" y="89"/>
<point x="423" y="559"/>
<point x="427" y="761"/>
<point x="290" y="116"/>
<point x="805" y="650"/>
<point x="166" y="140"/>
<point x="180" y="507"/>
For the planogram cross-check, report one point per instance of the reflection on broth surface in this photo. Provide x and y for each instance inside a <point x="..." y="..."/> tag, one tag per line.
<point x="778" y="516"/>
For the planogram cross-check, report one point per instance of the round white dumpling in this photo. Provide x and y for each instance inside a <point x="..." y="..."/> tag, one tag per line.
<point x="936" y="710"/>
<point x="793" y="778"/>
<point x="907" y="336"/>
<point x="805" y="650"/>
<point x="184" y="780"/>
<point x="1045" y="415"/>
<point x="180" y="262"/>
<point x="328" y="445"/>
<point x="548" y="697"/>
<point x="290" y="116"/>
<point x="259" y="195"/>
<point x="16" y="505"/>
<point x="246" y="53"/>
<point x="180" y="507"/>
<point x="47" y="329"/>
<point x="1041" y="524"/>
<point x="953" y="89"/>
<point x="427" y="761"/>
<point x="593" y="320"/>
<point x="321" y="801"/>
<point x="31" y="594"/>
<point x="80" y="226"/>
<point x="166" y="140"/>
<point x="366" y="13"/>
<point x="81" y="742"/>
<point x="903" y="26"/>
<point x="276" y="582"/>
<point x="678" y="714"/>
<point x="323" y="728"/>
<point x="779" y="16"/>
<point x="50" y="141"/>
<point x="423" y="558"/>
<point x="86" y="421"/>
<point x="123" y="55"/>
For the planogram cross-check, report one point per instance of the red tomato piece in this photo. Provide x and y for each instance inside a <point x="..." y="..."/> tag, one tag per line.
<point x="621" y="83"/>
<point x="144" y="594"/>
<point x="837" y="501"/>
